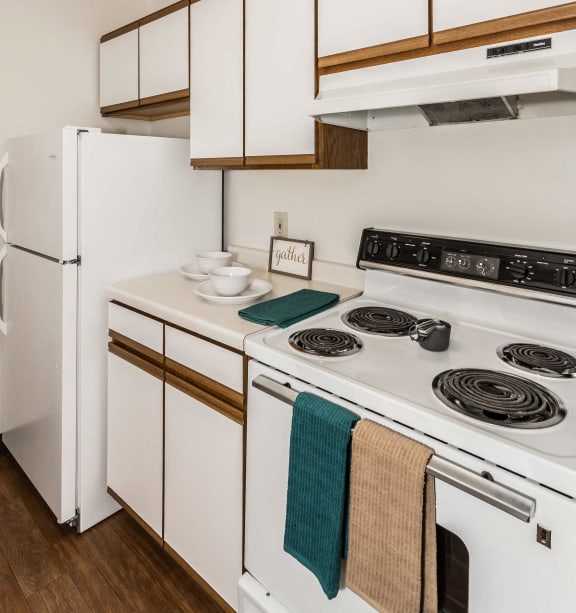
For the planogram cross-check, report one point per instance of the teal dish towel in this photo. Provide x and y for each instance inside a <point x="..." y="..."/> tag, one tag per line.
<point x="318" y="484"/>
<point x="288" y="310"/>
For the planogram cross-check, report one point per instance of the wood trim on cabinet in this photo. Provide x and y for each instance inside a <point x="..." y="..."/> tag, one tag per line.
<point x="208" y="398"/>
<point x="163" y="110"/>
<point x="167" y="97"/>
<point x="205" y="587"/>
<point x="274" y="161"/>
<point x="163" y="12"/>
<point x="122" y="106"/>
<point x="217" y="163"/>
<point x="204" y="383"/>
<point x="135" y="347"/>
<point x="155" y="537"/>
<point x="540" y="17"/>
<point x="133" y="25"/>
<point x="341" y="147"/>
<point x="136" y="360"/>
<point x="482" y="36"/>
<point x="119" y="32"/>
<point x="376" y="51"/>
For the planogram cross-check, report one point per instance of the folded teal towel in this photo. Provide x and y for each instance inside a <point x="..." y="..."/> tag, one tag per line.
<point x="288" y="310"/>
<point x="318" y="477"/>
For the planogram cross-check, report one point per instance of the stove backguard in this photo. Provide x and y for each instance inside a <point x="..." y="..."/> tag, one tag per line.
<point x="544" y="274"/>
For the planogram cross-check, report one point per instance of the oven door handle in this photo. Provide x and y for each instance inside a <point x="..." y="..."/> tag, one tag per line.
<point x="500" y="496"/>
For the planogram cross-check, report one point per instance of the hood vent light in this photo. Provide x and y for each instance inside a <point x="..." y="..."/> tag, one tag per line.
<point x="467" y="111"/>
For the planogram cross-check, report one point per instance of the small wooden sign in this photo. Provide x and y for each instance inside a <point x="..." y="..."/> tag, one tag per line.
<point x="291" y="257"/>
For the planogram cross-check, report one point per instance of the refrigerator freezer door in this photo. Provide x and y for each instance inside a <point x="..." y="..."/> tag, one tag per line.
<point x="40" y="193"/>
<point x="39" y="416"/>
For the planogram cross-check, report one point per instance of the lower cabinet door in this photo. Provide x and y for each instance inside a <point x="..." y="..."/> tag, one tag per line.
<point x="203" y="491"/>
<point x="135" y="422"/>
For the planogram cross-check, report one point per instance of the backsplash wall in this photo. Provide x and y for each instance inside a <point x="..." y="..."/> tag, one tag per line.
<point x="511" y="182"/>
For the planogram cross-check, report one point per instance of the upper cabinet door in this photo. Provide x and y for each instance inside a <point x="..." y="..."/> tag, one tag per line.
<point x="164" y="54"/>
<point x="280" y="60"/>
<point x="217" y="80"/>
<point x="455" y="13"/>
<point x="119" y="69"/>
<point x="347" y="26"/>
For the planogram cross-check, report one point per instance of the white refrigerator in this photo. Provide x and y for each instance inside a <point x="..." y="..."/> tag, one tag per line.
<point x="80" y="210"/>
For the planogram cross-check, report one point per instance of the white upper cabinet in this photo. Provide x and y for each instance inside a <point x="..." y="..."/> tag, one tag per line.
<point x="455" y="13"/>
<point x="144" y="72"/>
<point x="119" y="69"/>
<point x="164" y="54"/>
<point x="217" y="79"/>
<point x="280" y="60"/>
<point x="346" y="26"/>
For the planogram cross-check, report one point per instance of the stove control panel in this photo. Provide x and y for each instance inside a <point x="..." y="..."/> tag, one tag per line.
<point x="508" y="265"/>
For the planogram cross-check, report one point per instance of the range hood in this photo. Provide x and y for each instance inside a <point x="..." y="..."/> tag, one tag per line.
<point x="464" y="86"/>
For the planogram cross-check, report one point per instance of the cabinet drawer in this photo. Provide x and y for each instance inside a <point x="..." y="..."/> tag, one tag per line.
<point x="213" y="361"/>
<point x="144" y="330"/>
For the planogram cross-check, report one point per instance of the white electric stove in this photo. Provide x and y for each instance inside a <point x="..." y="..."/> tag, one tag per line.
<point x="499" y="403"/>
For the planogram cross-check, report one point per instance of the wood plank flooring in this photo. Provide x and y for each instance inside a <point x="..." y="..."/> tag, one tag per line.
<point x="113" y="567"/>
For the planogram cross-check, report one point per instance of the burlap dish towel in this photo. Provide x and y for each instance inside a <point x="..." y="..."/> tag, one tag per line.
<point x="392" y="525"/>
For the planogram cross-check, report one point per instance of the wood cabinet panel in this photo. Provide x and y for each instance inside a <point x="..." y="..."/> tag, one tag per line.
<point x="164" y="55"/>
<point x="119" y="70"/>
<point x="344" y="26"/>
<point x="144" y="71"/>
<point x="256" y="117"/>
<point x="140" y="328"/>
<point x="209" y="359"/>
<point x="203" y="491"/>
<point x="279" y="77"/>
<point x="217" y="81"/>
<point x="450" y="14"/>
<point x="135" y="440"/>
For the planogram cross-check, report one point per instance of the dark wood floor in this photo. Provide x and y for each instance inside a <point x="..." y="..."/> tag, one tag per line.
<point x="112" y="567"/>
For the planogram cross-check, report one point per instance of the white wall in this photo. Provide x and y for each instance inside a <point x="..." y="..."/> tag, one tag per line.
<point x="49" y="64"/>
<point x="511" y="181"/>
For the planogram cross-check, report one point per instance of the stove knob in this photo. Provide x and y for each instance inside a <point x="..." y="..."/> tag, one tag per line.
<point x="373" y="248"/>
<point x="464" y="262"/>
<point x="519" y="270"/>
<point x="423" y="256"/>
<point x="391" y="251"/>
<point x="485" y="267"/>
<point x="565" y="277"/>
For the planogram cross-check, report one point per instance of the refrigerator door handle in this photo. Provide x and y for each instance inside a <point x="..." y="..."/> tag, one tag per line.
<point x="3" y="164"/>
<point x="3" y="326"/>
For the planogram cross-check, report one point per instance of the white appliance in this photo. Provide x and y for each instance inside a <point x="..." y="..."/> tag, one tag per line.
<point x="81" y="210"/>
<point x="539" y="72"/>
<point x="505" y="472"/>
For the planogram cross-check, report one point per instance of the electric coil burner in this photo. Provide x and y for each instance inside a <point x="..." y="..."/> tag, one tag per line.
<point x="498" y="398"/>
<point x="538" y="359"/>
<point x="379" y="320"/>
<point x="325" y="342"/>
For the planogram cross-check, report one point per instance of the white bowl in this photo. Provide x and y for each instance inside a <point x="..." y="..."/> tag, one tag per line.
<point x="230" y="280"/>
<point x="208" y="260"/>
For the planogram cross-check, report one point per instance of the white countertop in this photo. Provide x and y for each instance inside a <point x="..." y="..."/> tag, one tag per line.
<point x="170" y="296"/>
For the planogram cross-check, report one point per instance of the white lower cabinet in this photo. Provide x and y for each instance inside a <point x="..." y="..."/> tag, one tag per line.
<point x="203" y="491"/>
<point x="135" y="453"/>
<point x="175" y="443"/>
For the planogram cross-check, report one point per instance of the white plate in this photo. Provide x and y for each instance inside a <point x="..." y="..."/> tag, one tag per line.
<point x="257" y="289"/>
<point x="191" y="271"/>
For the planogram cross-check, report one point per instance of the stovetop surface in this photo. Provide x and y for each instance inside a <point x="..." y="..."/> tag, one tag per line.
<point x="393" y="375"/>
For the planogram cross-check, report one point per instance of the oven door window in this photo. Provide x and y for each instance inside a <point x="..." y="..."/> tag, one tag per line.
<point x="453" y="569"/>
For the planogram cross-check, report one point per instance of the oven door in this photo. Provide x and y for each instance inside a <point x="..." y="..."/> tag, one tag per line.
<point x="489" y="559"/>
